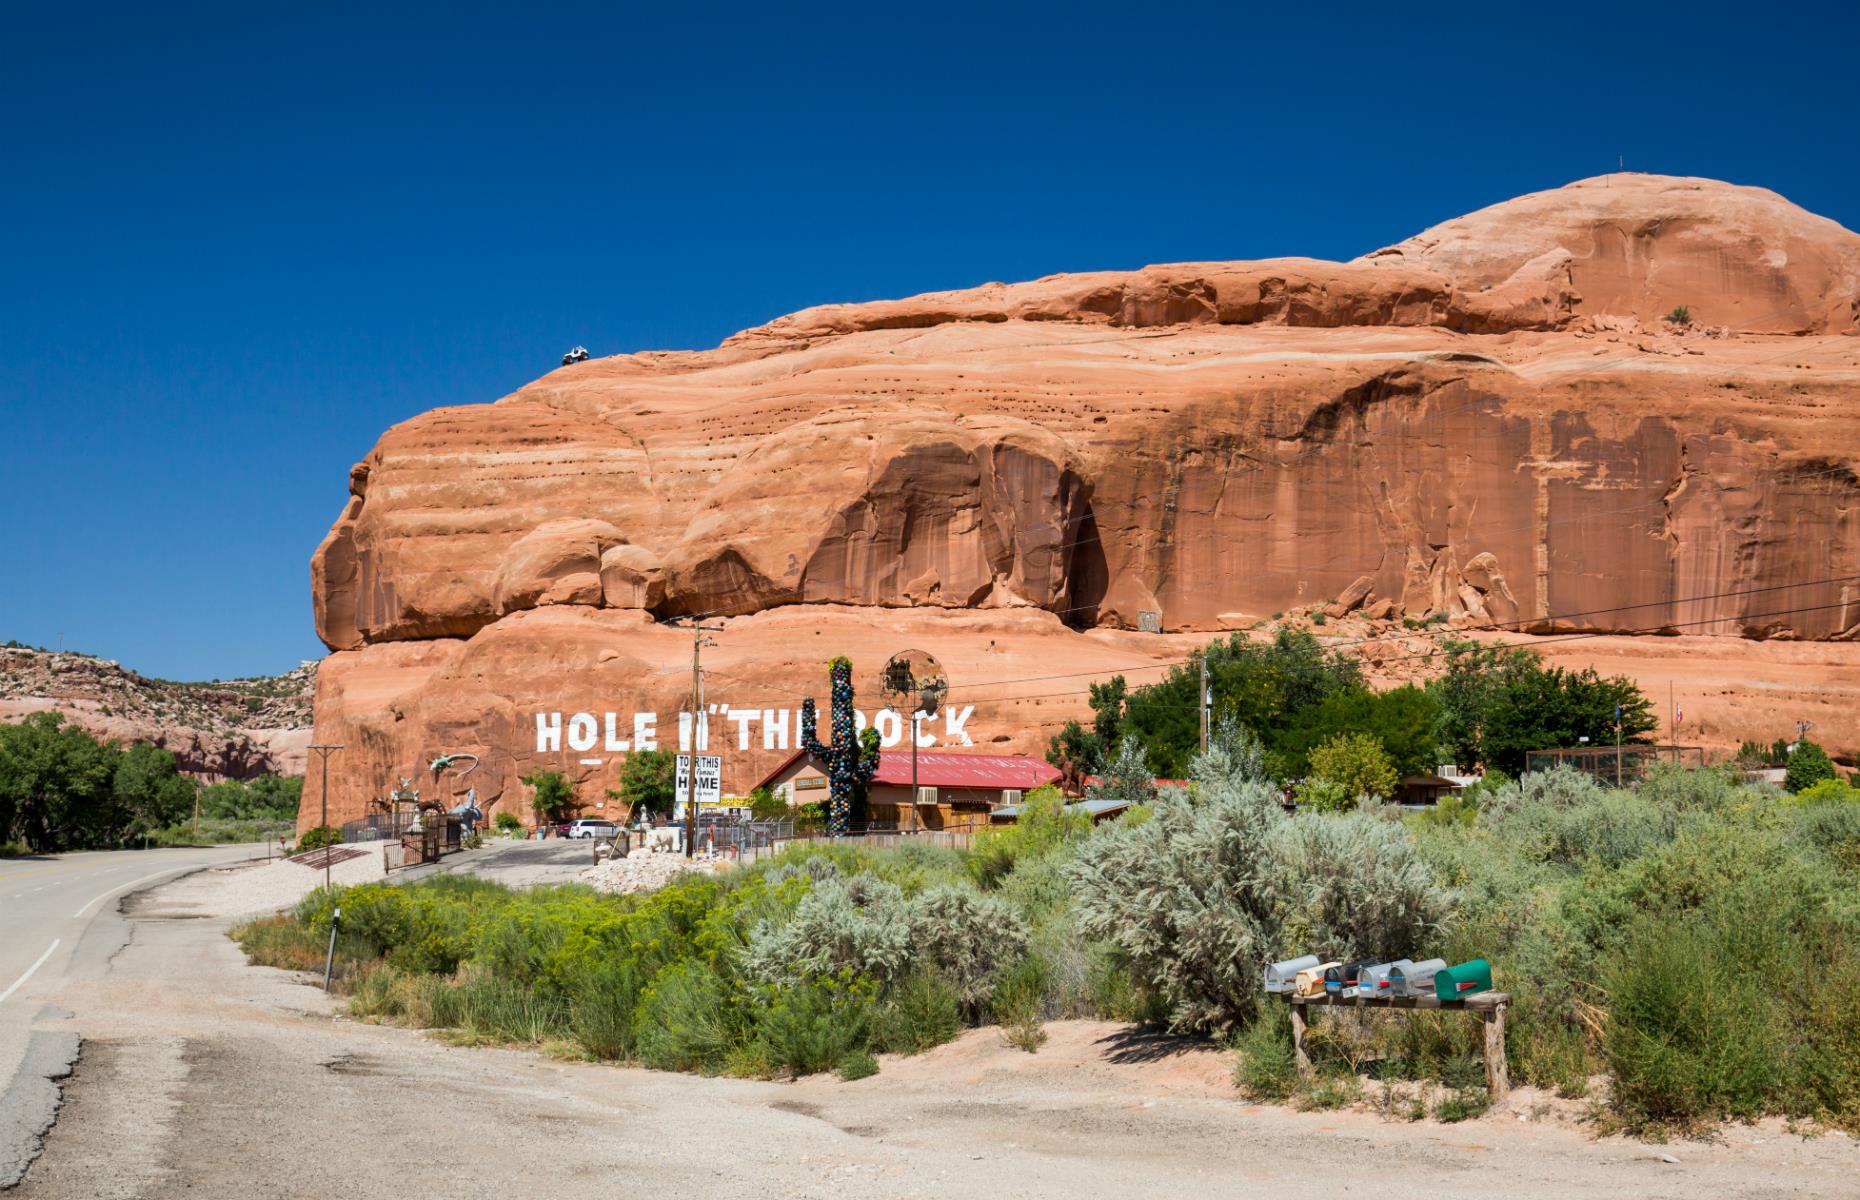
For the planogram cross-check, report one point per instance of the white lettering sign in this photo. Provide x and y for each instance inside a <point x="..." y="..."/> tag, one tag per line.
<point x="709" y="778"/>
<point x="781" y="729"/>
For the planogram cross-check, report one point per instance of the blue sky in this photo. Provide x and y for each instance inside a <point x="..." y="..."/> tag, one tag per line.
<point x="237" y="243"/>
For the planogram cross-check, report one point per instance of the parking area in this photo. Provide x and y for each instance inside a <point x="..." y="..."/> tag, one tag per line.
<point x="514" y="863"/>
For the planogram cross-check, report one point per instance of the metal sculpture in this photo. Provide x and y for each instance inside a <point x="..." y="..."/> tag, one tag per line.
<point x="849" y="761"/>
<point x="914" y="685"/>
<point x="469" y="809"/>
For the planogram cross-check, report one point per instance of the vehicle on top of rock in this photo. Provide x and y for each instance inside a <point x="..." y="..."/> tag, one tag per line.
<point x="578" y="354"/>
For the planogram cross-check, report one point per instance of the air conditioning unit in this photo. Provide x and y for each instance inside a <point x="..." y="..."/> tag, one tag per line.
<point x="926" y="795"/>
<point x="1010" y="795"/>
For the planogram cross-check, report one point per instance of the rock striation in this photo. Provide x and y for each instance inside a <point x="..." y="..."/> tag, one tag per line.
<point x="1494" y="422"/>
<point x="226" y="729"/>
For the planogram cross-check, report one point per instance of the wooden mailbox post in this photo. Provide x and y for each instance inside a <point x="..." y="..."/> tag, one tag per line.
<point x="1490" y="1006"/>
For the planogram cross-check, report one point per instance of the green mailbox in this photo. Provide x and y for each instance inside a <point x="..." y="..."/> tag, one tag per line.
<point x="1467" y="979"/>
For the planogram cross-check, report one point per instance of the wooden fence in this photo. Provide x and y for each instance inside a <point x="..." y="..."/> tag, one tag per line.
<point x="948" y="839"/>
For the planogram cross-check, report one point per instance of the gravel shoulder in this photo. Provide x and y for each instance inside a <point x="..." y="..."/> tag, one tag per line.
<point x="202" y="1076"/>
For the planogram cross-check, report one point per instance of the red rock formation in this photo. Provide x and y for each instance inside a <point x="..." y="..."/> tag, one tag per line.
<point x="1489" y="422"/>
<point x="235" y="729"/>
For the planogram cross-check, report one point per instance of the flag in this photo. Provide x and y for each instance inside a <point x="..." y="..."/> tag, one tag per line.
<point x="1679" y="715"/>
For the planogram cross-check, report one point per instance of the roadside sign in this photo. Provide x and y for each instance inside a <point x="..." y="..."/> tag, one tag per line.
<point x="709" y="778"/>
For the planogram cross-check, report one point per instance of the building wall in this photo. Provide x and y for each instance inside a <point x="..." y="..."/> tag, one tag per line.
<point x="956" y="808"/>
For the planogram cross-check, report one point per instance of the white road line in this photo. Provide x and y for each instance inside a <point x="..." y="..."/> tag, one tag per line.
<point x="29" y="971"/>
<point x="119" y="887"/>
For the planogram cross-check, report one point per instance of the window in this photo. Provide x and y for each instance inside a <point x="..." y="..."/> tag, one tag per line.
<point x="1010" y="795"/>
<point x="926" y="795"/>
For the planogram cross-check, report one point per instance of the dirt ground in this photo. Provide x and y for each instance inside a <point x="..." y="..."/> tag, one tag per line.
<point x="200" y="1076"/>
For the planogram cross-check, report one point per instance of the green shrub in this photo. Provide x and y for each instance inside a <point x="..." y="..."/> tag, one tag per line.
<point x="1043" y="824"/>
<point x="861" y="925"/>
<point x="602" y="997"/>
<point x="1809" y="765"/>
<point x="1358" y="764"/>
<point x="502" y="1010"/>
<point x="918" y="1013"/>
<point x="814" y="1025"/>
<point x="1353" y="885"/>
<point x="286" y="943"/>
<point x="1690" y="1031"/>
<point x="1452" y="809"/>
<point x="1113" y="992"/>
<point x="858" y="1064"/>
<point x="508" y="823"/>
<point x="1462" y="1104"/>
<point x="1830" y="791"/>
<point x="1266" y="1067"/>
<point x="1824" y="1025"/>
<point x="967" y="938"/>
<point x="377" y="993"/>
<point x="1323" y="1093"/>
<point x="1831" y="828"/>
<point x="318" y="837"/>
<point x="1213" y="885"/>
<point x="684" y="1020"/>
<point x="1019" y="1004"/>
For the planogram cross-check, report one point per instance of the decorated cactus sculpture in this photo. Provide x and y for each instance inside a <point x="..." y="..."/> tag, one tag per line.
<point x="850" y="761"/>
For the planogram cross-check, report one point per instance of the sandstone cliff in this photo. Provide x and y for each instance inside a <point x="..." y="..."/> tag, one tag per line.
<point x="231" y="729"/>
<point x="1492" y="422"/>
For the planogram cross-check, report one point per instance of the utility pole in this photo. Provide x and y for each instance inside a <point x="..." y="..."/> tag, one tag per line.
<point x="324" y="750"/>
<point x="1206" y="700"/>
<point x="698" y="642"/>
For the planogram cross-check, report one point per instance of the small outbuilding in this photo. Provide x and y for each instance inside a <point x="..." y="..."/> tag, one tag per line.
<point x="1097" y="810"/>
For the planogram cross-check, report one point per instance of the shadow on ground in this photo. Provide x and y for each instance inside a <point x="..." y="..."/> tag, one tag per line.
<point x="1148" y="1044"/>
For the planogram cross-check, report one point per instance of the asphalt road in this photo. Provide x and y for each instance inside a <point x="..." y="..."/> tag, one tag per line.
<point x="58" y="917"/>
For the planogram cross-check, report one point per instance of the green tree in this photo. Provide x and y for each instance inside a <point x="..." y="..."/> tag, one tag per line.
<point x="1499" y="702"/>
<point x="1077" y="753"/>
<point x="55" y="785"/>
<point x="1354" y="764"/>
<point x="1261" y="685"/>
<point x="765" y="805"/>
<point x="1127" y="776"/>
<point x="648" y="783"/>
<point x="1808" y="766"/>
<point x="1107" y="706"/>
<point x="1405" y="720"/>
<point x="148" y="792"/>
<point x="555" y="796"/>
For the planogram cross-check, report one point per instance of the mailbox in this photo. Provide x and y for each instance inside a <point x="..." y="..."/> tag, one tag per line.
<point x="1417" y="979"/>
<point x="1340" y="980"/>
<point x="1310" y="981"/>
<point x="1467" y="979"/>
<point x="1374" y="981"/>
<point x="1280" y="976"/>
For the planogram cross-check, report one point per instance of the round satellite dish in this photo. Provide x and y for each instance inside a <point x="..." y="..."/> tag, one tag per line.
<point x="913" y="681"/>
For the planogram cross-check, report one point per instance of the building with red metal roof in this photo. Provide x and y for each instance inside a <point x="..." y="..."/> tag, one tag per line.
<point x="953" y="790"/>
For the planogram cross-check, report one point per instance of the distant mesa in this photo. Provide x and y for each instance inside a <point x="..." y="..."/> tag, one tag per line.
<point x="1494" y="421"/>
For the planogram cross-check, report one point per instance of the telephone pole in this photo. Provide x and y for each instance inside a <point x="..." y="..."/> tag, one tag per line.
<point x="698" y="642"/>
<point x="1205" y="701"/>
<point x="323" y="751"/>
